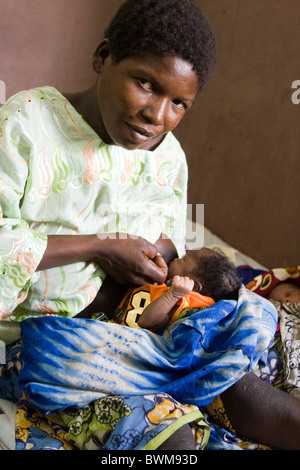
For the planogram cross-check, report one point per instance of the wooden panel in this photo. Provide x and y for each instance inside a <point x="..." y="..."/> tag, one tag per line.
<point x="242" y="135"/>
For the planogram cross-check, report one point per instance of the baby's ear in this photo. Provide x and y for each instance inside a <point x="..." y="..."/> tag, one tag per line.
<point x="197" y="286"/>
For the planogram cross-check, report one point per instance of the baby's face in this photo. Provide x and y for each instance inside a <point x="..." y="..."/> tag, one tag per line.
<point x="187" y="265"/>
<point x="285" y="292"/>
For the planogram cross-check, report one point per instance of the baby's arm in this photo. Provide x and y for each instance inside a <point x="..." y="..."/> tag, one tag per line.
<point x="159" y="312"/>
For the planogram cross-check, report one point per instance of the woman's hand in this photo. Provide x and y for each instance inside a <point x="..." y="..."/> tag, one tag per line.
<point x="131" y="260"/>
<point x="166" y="248"/>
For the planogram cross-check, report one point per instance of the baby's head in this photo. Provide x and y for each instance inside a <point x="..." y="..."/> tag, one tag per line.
<point x="163" y="28"/>
<point x="214" y="275"/>
<point x="285" y="292"/>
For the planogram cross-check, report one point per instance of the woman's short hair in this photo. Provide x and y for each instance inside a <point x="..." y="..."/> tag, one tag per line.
<point x="164" y="28"/>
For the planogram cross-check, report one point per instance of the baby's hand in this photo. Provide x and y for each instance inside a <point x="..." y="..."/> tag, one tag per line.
<point x="181" y="286"/>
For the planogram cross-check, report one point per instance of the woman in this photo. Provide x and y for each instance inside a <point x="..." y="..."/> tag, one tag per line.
<point x="79" y="172"/>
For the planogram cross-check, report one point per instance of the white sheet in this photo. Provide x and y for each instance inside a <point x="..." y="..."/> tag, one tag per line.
<point x="198" y="236"/>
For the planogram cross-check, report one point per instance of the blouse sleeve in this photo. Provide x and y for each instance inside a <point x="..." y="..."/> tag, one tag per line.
<point x="21" y="248"/>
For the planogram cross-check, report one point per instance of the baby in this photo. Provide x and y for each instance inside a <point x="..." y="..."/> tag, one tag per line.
<point x="198" y="280"/>
<point x="285" y="292"/>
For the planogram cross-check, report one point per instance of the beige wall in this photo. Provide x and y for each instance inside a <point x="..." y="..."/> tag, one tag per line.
<point x="51" y="42"/>
<point x="242" y="135"/>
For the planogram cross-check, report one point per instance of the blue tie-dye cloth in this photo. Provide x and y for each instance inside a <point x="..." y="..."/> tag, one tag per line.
<point x="72" y="362"/>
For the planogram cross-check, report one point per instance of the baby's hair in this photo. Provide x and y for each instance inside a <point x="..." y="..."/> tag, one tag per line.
<point x="164" y="28"/>
<point x="218" y="276"/>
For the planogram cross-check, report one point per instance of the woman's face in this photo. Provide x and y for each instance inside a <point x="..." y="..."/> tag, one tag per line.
<point x="140" y="99"/>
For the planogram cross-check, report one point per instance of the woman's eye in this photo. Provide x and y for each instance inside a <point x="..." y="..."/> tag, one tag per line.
<point x="179" y="104"/>
<point x="146" y="84"/>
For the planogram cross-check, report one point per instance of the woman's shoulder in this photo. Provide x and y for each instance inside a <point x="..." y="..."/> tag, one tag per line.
<point x="31" y="96"/>
<point x="41" y="106"/>
<point x="26" y="104"/>
<point x="170" y="147"/>
<point x="170" y="152"/>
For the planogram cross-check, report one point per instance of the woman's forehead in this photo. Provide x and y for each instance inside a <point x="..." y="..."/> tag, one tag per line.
<point x="162" y="70"/>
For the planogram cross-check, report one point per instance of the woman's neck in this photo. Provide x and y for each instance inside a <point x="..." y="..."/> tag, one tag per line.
<point x="86" y="104"/>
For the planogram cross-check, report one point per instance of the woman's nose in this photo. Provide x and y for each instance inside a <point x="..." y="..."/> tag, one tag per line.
<point x="156" y="111"/>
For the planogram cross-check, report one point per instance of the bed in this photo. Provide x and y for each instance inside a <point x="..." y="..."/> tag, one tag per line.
<point x="113" y="419"/>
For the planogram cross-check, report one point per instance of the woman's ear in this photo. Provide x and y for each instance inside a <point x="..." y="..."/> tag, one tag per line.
<point x="100" y="55"/>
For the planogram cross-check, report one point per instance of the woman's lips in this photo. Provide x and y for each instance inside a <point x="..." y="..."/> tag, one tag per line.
<point x="140" y="132"/>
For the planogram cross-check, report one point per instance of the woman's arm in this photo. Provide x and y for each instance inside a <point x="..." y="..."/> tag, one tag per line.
<point x="159" y="312"/>
<point x="128" y="260"/>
